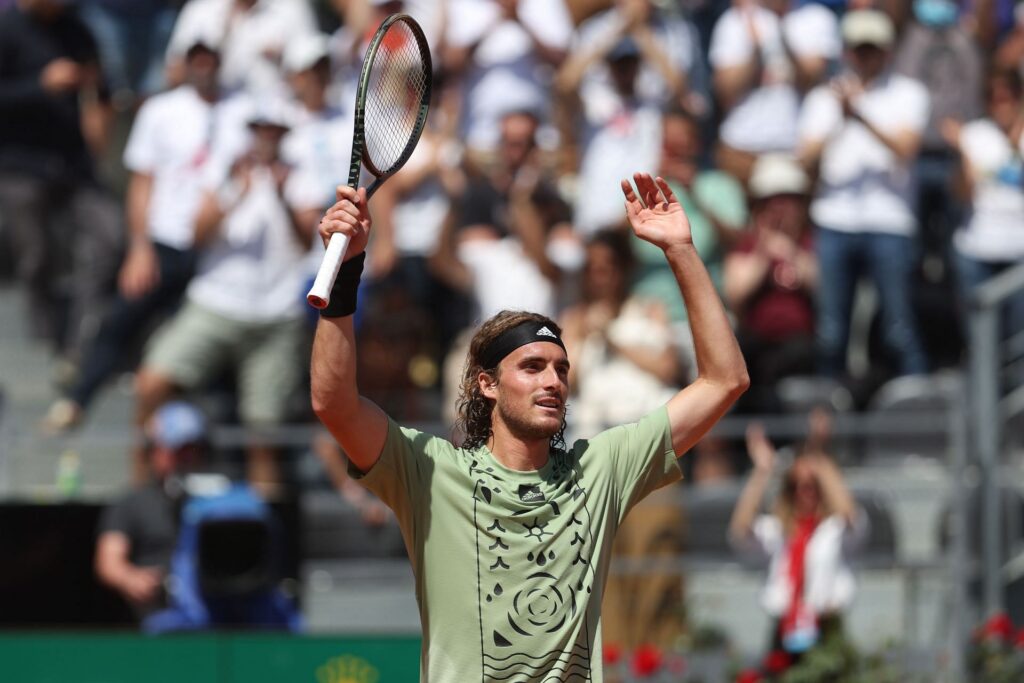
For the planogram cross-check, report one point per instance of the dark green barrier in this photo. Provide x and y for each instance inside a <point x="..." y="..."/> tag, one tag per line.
<point x="125" y="658"/>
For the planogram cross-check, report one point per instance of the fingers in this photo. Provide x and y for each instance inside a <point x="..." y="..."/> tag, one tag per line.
<point x="647" y="189"/>
<point x="666" y="190"/>
<point x="349" y="215"/>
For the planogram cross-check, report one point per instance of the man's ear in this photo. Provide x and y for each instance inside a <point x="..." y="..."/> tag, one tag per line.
<point x="488" y="385"/>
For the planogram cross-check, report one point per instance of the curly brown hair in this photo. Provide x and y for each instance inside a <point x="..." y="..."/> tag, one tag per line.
<point x="473" y="409"/>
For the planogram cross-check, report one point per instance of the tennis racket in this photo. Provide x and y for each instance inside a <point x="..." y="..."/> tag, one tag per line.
<point x="392" y="101"/>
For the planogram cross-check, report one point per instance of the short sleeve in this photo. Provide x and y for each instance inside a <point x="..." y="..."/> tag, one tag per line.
<point x="549" y="20"/>
<point x="115" y="519"/>
<point x="140" y="153"/>
<point x="813" y="31"/>
<point x="913" y="106"/>
<point x="818" y="116"/>
<point x="469" y="20"/>
<point x="401" y="471"/>
<point x="730" y="43"/>
<point x="641" y="457"/>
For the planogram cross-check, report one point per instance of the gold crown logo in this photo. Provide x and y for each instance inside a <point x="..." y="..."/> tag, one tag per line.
<point x="347" y="669"/>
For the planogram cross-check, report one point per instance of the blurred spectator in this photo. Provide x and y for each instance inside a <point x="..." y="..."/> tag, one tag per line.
<point x="806" y="542"/>
<point x="991" y="238"/>
<point x="763" y="59"/>
<point x="371" y="510"/>
<point x="715" y="206"/>
<point x="55" y="118"/>
<point x="319" y="144"/>
<point x="619" y="132"/>
<point x="243" y="309"/>
<point x="168" y="149"/>
<point x="137" y="533"/>
<point x="622" y="360"/>
<point x="672" y="71"/>
<point x="252" y="36"/>
<point x="937" y="49"/>
<point x="502" y="245"/>
<point x="503" y="52"/>
<point x="214" y="546"/>
<point x="863" y="132"/>
<point x="1010" y="54"/>
<point x="132" y="38"/>
<point x="360" y="20"/>
<point x="770" y="280"/>
<point x="410" y="212"/>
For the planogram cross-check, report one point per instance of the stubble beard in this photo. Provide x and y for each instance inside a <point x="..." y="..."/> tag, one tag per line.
<point x="519" y="424"/>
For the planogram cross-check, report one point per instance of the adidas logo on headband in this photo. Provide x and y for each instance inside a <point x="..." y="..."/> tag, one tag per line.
<point x="508" y="341"/>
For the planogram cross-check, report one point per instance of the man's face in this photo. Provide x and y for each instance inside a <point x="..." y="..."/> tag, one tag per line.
<point x="201" y="67"/>
<point x="517" y="139"/>
<point x="530" y="391"/>
<point x="868" y="61"/>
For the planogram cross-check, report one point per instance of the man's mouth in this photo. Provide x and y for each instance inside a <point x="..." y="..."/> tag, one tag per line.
<point x="551" y="402"/>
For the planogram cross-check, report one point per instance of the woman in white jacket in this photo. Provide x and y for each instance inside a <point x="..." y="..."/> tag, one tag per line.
<point x="806" y="540"/>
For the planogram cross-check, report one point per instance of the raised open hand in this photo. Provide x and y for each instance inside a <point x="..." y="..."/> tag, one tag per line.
<point x="655" y="213"/>
<point x="760" y="449"/>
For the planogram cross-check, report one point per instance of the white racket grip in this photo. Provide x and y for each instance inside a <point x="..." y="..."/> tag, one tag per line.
<point x="320" y="293"/>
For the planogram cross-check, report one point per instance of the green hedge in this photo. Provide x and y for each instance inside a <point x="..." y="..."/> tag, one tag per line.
<point x="212" y="658"/>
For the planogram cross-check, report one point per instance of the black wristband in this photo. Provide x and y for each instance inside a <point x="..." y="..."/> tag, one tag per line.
<point x="346" y="286"/>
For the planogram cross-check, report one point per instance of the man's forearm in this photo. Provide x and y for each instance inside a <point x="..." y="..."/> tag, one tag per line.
<point x="333" y="370"/>
<point x="718" y="354"/>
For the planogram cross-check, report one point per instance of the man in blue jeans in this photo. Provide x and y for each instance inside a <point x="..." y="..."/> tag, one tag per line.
<point x="863" y="131"/>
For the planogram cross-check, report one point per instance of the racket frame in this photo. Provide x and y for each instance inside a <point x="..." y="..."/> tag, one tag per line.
<point x="319" y="294"/>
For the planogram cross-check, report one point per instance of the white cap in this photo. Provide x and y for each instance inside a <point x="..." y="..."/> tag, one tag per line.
<point x="775" y="174"/>
<point x="272" y="111"/>
<point x="868" y="27"/>
<point x="305" y="52"/>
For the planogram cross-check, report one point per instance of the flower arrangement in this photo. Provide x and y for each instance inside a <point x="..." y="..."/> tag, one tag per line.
<point x="997" y="652"/>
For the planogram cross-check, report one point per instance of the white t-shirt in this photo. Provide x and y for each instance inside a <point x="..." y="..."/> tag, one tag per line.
<point x="419" y="214"/>
<point x="676" y="36"/>
<point x="504" y="74"/>
<point x="174" y="136"/>
<point x="504" y="277"/>
<point x="255" y="269"/>
<point x="251" y="41"/>
<point x="863" y="186"/>
<point x="829" y="585"/>
<point x="319" y="146"/>
<point x="812" y="31"/>
<point x="994" y="229"/>
<point x="764" y="120"/>
<point x="619" y="139"/>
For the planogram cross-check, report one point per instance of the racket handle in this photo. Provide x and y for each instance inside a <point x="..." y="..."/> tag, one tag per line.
<point x="320" y="293"/>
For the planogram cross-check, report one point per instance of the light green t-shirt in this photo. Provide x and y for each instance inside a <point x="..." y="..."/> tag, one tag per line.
<point x="510" y="566"/>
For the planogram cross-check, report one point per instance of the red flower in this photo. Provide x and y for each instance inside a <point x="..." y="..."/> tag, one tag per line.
<point x="998" y="627"/>
<point x="612" y="653"/>
<point x="1018" y="640"/>
<point x="776" y="662"/>
<point x="646" y="660"/>
<point x="749" y="676"/>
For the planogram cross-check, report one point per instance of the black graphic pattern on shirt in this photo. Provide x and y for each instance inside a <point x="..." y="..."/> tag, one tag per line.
<point x="517" y="585"/>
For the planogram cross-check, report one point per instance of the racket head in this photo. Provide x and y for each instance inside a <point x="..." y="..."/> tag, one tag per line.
<point x="392" y="99"/>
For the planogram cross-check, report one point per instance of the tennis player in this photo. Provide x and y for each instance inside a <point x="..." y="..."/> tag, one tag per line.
<point x="510" y="535"/>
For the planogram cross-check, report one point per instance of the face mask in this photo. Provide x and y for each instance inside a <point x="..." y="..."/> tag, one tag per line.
<point x="936" y="13"/>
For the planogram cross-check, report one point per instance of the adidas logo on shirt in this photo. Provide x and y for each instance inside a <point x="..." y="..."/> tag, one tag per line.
<point x="545" y="332"/>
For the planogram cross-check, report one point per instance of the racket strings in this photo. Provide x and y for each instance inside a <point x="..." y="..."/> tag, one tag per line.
<point x="399" y="79"/>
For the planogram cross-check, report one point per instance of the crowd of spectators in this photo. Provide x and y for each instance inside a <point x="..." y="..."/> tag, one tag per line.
<point x="813" y="144"/>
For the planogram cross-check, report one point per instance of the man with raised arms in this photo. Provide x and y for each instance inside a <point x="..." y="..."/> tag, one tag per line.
<point x="510" y="535"/>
